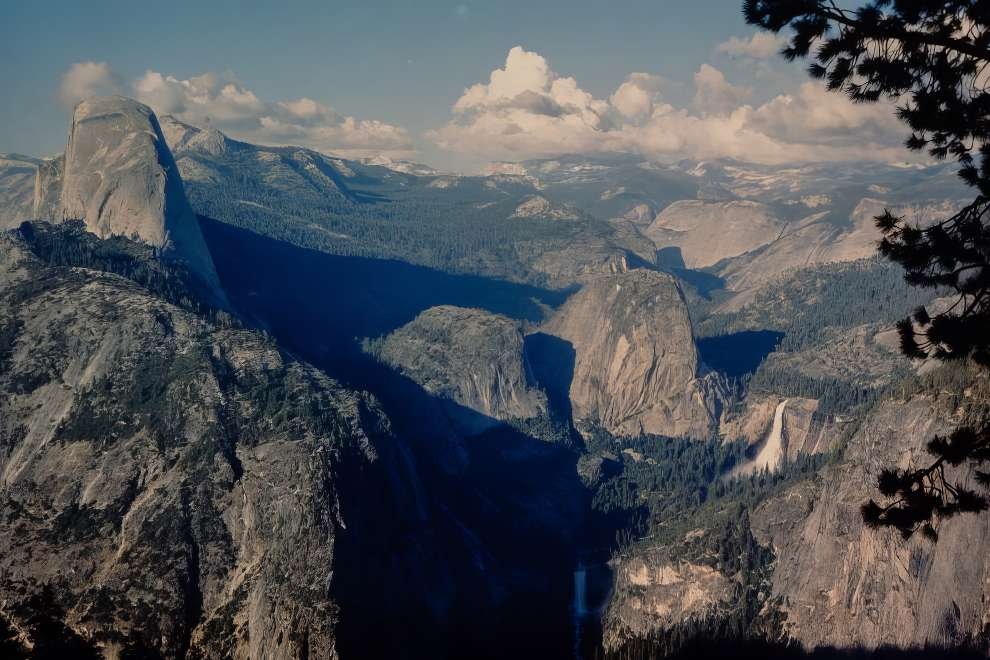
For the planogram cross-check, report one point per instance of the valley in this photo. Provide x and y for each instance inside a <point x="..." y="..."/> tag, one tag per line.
<point x="265" y="402"/>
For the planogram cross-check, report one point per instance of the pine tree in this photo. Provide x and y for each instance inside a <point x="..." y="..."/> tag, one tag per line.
<point x="932" y="58"/>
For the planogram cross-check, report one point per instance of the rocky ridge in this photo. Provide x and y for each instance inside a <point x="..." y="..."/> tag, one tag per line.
<point x="17" y="180"/>
<point x="838" y="580"/>
<point x="170" y="483"/>
<point x="830" y="581"/>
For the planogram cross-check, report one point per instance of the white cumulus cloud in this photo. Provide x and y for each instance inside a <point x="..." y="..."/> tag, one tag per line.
<point x="234" y="109"/>
<point x="228" y="105"/>
<point x="526" y="110"/>
<point x="637" y="95"/>
<point x="85" y="79"/>
<point x="713" y="94"/>
<point x="760" y="46"/>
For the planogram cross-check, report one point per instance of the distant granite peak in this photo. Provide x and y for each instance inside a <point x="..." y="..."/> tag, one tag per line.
<point x="120" y="178"/>
<point x="636" y="369"/>
<point x="180" y="136"/>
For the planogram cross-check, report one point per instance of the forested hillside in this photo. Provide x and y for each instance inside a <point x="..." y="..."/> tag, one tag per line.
<point x="494" y="226"/>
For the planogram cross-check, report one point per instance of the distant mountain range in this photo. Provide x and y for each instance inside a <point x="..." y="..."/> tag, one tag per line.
<point x="742" y="222"/>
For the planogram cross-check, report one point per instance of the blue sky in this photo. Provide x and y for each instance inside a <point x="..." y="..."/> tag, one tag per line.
<point x="402" y="66"/>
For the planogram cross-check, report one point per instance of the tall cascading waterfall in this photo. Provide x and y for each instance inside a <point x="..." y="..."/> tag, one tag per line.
<point x="773" y="452"/>
<point x="579" y="606"/>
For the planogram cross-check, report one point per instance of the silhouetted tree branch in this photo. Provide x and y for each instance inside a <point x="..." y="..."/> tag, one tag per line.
<point x="932" y="58"/>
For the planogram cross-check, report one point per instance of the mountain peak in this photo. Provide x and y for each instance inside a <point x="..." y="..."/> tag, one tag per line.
<point x="181" y="136"/>
<point x="120" y="178"/>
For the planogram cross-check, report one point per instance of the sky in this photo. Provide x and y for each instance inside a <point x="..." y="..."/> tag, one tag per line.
<point x="453" y="84"/>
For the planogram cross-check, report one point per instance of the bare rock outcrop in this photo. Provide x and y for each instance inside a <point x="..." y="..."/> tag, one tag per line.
<point x="471" y="358"/>
<point x="782" y="429"/>
<point x="17" y="177"/>
<point x="636" y="367"/>
<point x="707" y="232"/>
<point x="841" y="583"/>
<point x="120" y="178"/>
<point x="823" y="237"/>
<point x="654" y="592"/>
<point x="48" y="189"/>
<point x="832" y="582"/>
<point x="169" y="486"/>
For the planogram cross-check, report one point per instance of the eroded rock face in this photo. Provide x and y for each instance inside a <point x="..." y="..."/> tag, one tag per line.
<point x="470" y="357"/>
<point x="636" y="367"/>
<point x="824" y="237"/>
<point x="832" y="581"/>
<point x="17" y="177"/>
<point x="120" y="178"/>
<point x="707" y="232"/>
<point x="168" y="485"/>
<point x="48" y="189"/>
<point x="655" y="592"/>
<point x="841" y="583"/>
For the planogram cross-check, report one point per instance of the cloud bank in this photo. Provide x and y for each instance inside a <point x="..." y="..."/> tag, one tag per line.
<point x="211" y="100"/>
<point x="526" y="110"/>
<point x="225" y="104"/>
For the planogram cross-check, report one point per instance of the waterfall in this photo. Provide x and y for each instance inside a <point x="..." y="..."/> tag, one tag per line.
<point x="580" y="587"/>
<point x="772" y="454"/>
<point x="580" y="606"/>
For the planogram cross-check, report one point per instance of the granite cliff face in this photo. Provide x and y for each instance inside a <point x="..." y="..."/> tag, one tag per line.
<point x="471" y="358"/>
<point x="169" y="484"/>
<point x="827" y="580"/>
<point x="781" y="429"/>
<point x="839" y="582"/>
<point x="654" y="591"/>
<point x="707" y="232"/>
<point x="120" y="178"/>
<point x="17" y="177"/>
<point x="636" y="366"/>
<point x="47" y="203"/>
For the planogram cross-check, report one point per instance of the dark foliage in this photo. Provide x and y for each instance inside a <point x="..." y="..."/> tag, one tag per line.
<point x="954" y="255"/>
<point x="68" y="244"/>
<point x="468" y="229"/>
<point x="10" y="647"/>
<point x="674" y="495"/>
<point x="52" y="638"/>
<point x="930" y="56"/>
<point x="933" y="58"/>
<point x="806" y="303"/>
<point x="667" y="486"/>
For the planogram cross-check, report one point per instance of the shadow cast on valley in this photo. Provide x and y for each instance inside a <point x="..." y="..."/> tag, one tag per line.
<point x="321" y="305"/>
<point x="475" y="557"/>
<point x="740" y="353"/>
<point x="552" y="362"/>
